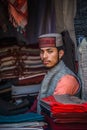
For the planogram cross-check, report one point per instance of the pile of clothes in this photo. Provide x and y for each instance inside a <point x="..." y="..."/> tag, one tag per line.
<point x="65" y="108"/>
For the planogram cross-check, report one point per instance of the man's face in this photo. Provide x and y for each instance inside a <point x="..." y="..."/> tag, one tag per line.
<point x="49" y="56"/>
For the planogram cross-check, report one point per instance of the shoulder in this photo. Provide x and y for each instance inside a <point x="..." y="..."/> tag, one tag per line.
<point x="68" y="84"/>
<point x="68" y="79"/>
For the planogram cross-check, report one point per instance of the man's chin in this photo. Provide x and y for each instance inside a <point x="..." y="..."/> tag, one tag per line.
<point x="48" y="66"/>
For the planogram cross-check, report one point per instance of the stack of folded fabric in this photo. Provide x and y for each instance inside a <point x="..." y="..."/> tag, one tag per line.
<point x="65" y="108"/>
<point x="23" y="121"/>
<point x="13" y="108"/>
<point x="32" y="68"/>
<point x="9" y="62"/>
<point x="22" y="62"/>
<point x="6" y="88"/>
<point x="25" y="90"/>
<point x="21" y="70"/>
<point x="21" y="73"/>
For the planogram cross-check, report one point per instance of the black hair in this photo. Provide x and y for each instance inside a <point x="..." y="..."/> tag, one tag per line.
<point x="61" y="48"/>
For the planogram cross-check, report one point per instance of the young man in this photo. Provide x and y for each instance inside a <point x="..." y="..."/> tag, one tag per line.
<point x="59" y="78"/>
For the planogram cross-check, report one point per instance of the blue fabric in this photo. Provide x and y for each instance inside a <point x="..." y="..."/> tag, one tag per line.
<point x="21" y="118"/>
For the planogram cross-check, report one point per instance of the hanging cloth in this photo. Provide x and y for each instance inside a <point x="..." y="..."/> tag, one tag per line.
<point x="18" y="14"/>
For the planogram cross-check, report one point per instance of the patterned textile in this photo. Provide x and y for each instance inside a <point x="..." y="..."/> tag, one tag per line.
<point x="31" y="80"/>
<point x="80" y="27"/>
<point x="80" y="19"/>
<point x="20" y="65"/>
<point x="18" y="14"/>
<point x="20" y="62"/>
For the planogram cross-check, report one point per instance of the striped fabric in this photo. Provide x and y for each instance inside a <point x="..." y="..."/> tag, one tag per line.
<point x="22" y="62"/>
<point x="18" y="13"/>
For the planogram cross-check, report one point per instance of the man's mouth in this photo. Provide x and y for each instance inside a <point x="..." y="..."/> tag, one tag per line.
<point x="46" y="62"/>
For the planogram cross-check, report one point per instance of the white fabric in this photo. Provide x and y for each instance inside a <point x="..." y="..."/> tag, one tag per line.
<point x="82" y="69"/>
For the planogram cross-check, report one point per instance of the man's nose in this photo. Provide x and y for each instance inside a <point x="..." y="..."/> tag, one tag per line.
<point x="45" y="55"/>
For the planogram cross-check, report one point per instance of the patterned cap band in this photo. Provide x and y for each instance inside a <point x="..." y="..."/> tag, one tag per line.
<point x="45" y="42"/>
<point x="50" y="40"/>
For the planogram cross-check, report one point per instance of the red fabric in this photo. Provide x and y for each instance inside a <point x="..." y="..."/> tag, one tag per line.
<point x="66" y="126"/>
<point x="32" y="80"/>
<point x="18" y="12"/>
<point x="33" y="107"/>
<point x="47" y="42"/>
<point x="56" y="107"/>
<point x="68" y="84"/>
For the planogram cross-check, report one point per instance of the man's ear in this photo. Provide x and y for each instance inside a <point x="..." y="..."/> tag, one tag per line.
<point x="61" y="53"/>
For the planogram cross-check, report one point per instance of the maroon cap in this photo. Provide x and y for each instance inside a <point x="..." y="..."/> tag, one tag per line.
<point x="50" y="40"/>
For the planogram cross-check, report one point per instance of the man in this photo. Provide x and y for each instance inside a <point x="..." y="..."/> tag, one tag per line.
<point x="59" y="78"/>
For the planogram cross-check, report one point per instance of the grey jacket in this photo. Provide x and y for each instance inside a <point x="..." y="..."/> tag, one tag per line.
<point x="51" y="79"/>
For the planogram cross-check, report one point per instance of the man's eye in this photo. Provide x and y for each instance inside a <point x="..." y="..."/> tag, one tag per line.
<point x="50" y="51"/>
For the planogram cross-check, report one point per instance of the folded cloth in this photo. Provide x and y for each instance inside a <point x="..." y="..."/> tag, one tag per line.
<point x="27" y="89"/>
<point x="65" y="109"/>
<point x="4" y="84"/>
<point x="5" y="112"/>
<point x="21" y="118"/>
<point x="56" y="106"/>
<point x="70" y="120"/>
<point x="70" y="117"/>
<point x="7" y="108"/>
<point x="68" y="99"/>
<point x="30" y="80"/>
